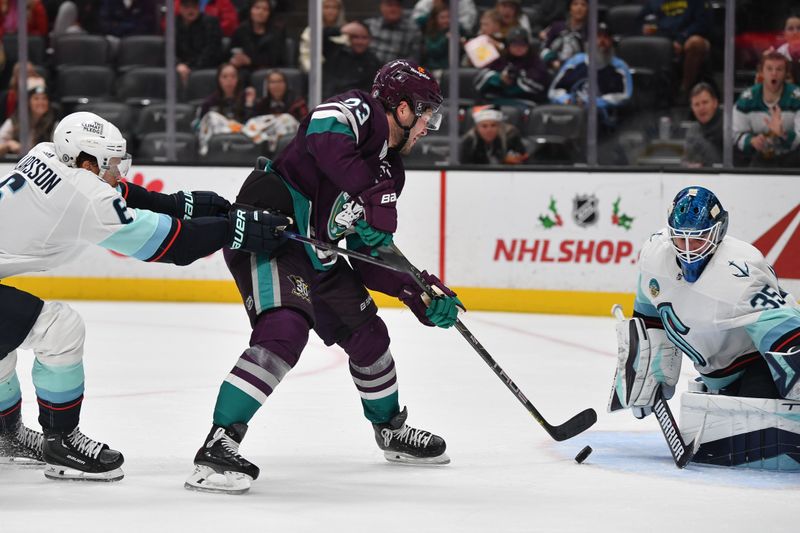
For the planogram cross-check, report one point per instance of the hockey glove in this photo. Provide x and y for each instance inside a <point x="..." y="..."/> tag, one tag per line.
<point x="256" y="231"/>
<point x="646" y="360"/>
<point x="372" y="237"/>
<point x="380" y="207"/>
<point x="441" y="311"/>
<point x="197" y="204"/>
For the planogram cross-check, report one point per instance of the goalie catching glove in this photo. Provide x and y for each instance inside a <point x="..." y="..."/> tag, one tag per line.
<point x="256" y="231"/>
<point x="441" y="311"/>
<point x="646" y="360"/>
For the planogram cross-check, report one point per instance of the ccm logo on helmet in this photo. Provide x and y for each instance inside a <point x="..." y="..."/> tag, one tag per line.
<point x="389" y="198"/>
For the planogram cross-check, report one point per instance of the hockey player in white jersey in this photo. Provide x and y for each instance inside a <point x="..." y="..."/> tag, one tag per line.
<point x="715" y="299"/>
<point x="60" y="198"/>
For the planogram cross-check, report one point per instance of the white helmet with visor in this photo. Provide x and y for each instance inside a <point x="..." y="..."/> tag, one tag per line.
<point x="93" y="135"/>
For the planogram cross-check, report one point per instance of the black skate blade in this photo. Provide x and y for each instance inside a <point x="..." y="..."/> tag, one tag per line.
<point x="574" y="426"/>
<point x="63" y="473"/>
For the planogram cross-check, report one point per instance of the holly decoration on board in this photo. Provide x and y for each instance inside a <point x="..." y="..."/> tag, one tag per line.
<point x="548" y="222"/>
<point x="622" y="220"/>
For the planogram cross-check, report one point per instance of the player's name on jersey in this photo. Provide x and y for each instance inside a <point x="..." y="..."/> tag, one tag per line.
<point x="39" y="173"/>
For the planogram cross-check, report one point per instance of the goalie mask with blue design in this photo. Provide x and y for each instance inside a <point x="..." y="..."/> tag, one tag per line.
<point x="697" y="224"/>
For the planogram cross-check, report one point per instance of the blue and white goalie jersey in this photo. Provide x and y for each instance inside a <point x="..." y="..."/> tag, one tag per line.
<point x="50" y="212"/>
<point x="733" y="313"/>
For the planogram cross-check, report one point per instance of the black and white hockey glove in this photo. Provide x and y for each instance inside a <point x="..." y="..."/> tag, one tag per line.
<point x="256" y="230"/>
<point x="196" y="204"/>
<point x="646" y="360"/>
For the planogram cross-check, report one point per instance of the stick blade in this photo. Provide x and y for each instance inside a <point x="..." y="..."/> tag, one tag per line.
<point x="574" y="426"/>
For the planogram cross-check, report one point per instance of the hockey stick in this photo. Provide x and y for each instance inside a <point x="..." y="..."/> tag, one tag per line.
<point x="681" y="452"/>
<point x="575" y="425"/>
<point x="349" y="253"/>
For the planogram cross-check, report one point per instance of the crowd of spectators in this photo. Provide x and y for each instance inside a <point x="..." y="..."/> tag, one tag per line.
<point x="519" y="58"/>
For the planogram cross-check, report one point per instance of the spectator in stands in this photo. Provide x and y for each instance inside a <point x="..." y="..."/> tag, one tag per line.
<point x="394" y="36"/>
<point x="37" y="17"/>
<point x="518" y="77"/>
<point x="350" y="66"/>
<point x="766" y="118"/>
<point x="279" y="98"/>
<point x="703" y="147"/>
<point x="198" y="39"/>
<point x="547" y="13"/>
<point x="436" y="38"/>
<point x="76" y="16"/>
<point x="467" y="14"/>
<point x="8" y="98"/>
<point x="614" y="80"/>
<point x="791" y="46"/>
<point x="120" y="18"/>
<point x="223" y="10"/>
<point x="688" y="24"/>
<point x="492" y="141"/>
<point x="333" y="19"/>
<point x="511" y="16"/>
<point x="490" y="26"/>
<point x="41" y="122"/>
<point x="230" y="99"/>
<point x="260" y="41"/>
<point x="565" y="38"/>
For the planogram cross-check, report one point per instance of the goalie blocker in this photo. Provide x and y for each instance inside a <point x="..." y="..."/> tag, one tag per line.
<point x="759" y="433"/>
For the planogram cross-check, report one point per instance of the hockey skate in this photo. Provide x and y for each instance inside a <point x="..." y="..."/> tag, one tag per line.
<point x="218" y="467"/>
<point x="74" y="456"/>
<point x="403" y="444"/>
<point x="21" y="446"/>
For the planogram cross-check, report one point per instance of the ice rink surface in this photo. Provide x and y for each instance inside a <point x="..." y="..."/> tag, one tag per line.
<point x="153" y="371"/>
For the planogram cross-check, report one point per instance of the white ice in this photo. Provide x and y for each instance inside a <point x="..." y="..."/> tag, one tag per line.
<point x="153" y="371"/>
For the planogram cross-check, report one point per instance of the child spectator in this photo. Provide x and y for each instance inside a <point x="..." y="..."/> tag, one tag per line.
<point x="565" y="38"/>
<point x="517" y="76"/>
<point x="259" y="42"/>
<point x="766" y="118"/>
<point x="491" y="141"/>
<point x="41" y="122"/>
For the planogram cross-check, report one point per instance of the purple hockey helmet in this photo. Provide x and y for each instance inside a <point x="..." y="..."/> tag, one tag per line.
<point x="403" y="80"/>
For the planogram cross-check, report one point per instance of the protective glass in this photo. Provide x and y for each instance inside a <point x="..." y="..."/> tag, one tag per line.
<point x="694" y="245"/>
<point x="427" y="109"/>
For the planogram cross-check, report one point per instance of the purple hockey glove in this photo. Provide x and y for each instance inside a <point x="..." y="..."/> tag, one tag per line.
<point x="380" y="206"/>
<point x="441" y="311"/>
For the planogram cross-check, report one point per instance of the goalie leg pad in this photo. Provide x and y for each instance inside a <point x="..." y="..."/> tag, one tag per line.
<point x="759" y="433"/>
<point x="646" y="359"/>
<point x="785" y="370"/>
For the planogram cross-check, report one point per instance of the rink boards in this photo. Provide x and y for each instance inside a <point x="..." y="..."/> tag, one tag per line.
<point x="555" y="242"/>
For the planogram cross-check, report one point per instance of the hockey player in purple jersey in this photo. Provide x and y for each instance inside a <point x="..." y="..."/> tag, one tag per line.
<point x="339" y="178"/>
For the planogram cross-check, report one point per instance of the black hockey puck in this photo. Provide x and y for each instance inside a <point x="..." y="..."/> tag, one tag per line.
<point x="583" y="454"/>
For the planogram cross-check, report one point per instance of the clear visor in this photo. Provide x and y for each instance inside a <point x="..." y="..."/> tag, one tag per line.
<point x="429" y="112"/>
<point x="116" y="168"/>
<point x="694" y="245"/>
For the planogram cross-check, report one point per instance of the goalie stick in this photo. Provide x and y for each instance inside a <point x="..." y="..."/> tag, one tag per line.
<point x="682" y="453"/>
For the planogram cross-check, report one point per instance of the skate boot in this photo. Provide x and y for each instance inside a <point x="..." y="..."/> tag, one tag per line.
<point x="21" y="446"/>
<point x="75" y="456"/>
<point x="218" y="467"/>
<point x="403" y="444"/>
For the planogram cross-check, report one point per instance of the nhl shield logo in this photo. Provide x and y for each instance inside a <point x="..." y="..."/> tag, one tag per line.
<point x="585" y="210"/>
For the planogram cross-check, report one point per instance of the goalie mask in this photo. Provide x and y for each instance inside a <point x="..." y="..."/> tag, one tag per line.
<point x="697" y="224"/>
<point x="93" y="135"/>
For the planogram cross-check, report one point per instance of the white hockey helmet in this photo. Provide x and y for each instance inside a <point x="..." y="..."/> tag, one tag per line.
<point x="94" y="135"/>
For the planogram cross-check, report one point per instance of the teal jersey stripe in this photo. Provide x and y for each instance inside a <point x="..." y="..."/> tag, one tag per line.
<point x="302" y="211"/>
<point x="58" y="384"/>
<point x="772" y="325"/>
<point x="265" y="284"/>
<point x="328" y="125"/>
<point x="9" y="392"/>
<point x="142" y="237"/>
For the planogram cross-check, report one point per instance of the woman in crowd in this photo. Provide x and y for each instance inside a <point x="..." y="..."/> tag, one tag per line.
<point x="259" y="42"/>
<point x="279" y="98"/>
<point x="41" y="122"/>
<point x="332" y="20"/>
<point x="230" y="98"/>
